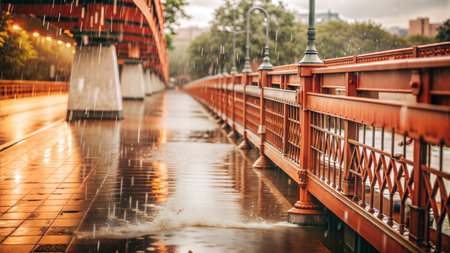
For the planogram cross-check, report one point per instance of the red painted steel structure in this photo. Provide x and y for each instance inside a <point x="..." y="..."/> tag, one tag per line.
<point x="135" y="27"/>
<point x="377" y="163"/>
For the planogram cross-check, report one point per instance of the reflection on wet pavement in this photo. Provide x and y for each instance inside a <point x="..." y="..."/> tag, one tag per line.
<point x="163" y="179"/>
<point x="22" y="116"/>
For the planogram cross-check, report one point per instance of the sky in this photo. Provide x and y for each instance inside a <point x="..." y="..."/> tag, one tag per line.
<point x="388" y="13"/>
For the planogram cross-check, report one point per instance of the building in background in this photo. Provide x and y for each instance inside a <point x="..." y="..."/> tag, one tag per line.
<point x="422" y="26"/>
<point x="321" y="18"/>
<point x="189" y="33"/>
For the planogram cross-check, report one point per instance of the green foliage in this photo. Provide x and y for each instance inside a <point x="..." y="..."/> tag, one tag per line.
<point x="27" y="58"/>
<point x="210" y="50"/>
<point x="16" y="49"/>
<point x="419" y="39"/>
<point x="444" y="31"/>
<point x="173" y="10"/>
<point x="338" y="39"/>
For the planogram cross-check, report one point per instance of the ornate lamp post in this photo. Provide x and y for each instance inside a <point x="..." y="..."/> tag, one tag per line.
<point x="232" y="30"/>
<point x="311" y="56"/>
<point x="265" y="65"/>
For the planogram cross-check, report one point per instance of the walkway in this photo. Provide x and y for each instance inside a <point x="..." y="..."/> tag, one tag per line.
<point x="165" y="178"/>
<point x="23" y="116"/>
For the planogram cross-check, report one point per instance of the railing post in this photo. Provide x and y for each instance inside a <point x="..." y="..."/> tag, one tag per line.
<point x="350" y="128"/>
<point x="232" y="124"/>
<point x="262" y="161"/>
<point x="418" y="196"/>
<point x="244" y="143"/>
<point x="285" y="127"/>
<point x="306" y="210"/>
<point x="225" y="101"/>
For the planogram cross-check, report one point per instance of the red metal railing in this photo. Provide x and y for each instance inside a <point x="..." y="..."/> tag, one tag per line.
<point x="372" y="133"/>
<point x="16" y="89"/>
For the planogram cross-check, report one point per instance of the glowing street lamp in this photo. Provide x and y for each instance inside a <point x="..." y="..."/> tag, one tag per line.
<point x="49" y="38"/>
<point x="35" y="34"/>
<point x="59" y="42"/>
<point x="16" y="27"/>
<point x="68" y="45"/>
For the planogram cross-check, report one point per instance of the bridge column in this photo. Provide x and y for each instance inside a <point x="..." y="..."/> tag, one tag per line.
<point x="132" y="81"/>
<point x="155" y="83"/>
<point x="307" y="210"/>
<point x="94" y="91"/>
<point x="148" y="82"/>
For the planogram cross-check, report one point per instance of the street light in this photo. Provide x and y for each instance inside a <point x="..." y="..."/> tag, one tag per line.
<point x="266" y="61"/>
<point x="35" y="34"/>
<point x="229" y="29"/>
<point x="311" y="55"/>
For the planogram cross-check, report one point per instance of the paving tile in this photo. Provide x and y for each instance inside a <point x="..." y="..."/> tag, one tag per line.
<point x="5" y="231"/>
<point x="45" y="208"/>
<point x="9" y="223"/>
<point x="22" y="209"/>
<point x="21" y="231"/>
<point x="21" y="239"/>
<point x="51" y="248"/>
<point x="56" y="239"/>
<point x="66" y="222"/>
<point x="60" y="196"/>
<point x="37" y="223"/>
<point x="8" y="248"/>
<point x="14" y="216"/>
<point x="55" y="202"/>
<point x="61" y="230"/>
<point x="45" y="215"/>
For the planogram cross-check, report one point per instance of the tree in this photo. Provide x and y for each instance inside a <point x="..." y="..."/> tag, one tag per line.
<point x="173" y="10"/>
<point x="420" y="39"/>
<point x="211" y="50"/>
<point x="444" y="31"/>
<point x="338" y="39"/>
<point x="16" y="49"/>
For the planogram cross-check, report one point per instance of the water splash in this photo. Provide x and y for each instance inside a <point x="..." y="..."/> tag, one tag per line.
<point x="169" y="218"/>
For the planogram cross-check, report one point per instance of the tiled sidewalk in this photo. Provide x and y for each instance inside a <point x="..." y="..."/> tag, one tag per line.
<point x="45" y="193"/>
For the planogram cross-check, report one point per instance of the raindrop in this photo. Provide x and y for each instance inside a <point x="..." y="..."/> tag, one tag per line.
<point x="121" y="186"/>
<point x="93" y="232"/>
<point x="139" y="133"/>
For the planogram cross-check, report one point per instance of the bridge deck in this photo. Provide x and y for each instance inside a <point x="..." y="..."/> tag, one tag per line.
<point x="59" y="184"/>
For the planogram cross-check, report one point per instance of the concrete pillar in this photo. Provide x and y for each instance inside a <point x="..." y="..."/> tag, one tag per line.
<point x="157" y="84"/>
<point x="153" y="82"/>
<point x="94" y="91"/>
<point x="132" y="82"/>
<point x="148" y="83"/>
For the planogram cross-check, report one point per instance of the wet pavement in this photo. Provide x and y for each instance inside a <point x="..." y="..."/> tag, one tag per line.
<point x="23" y="116"/>
<point x="163" y="179"/>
